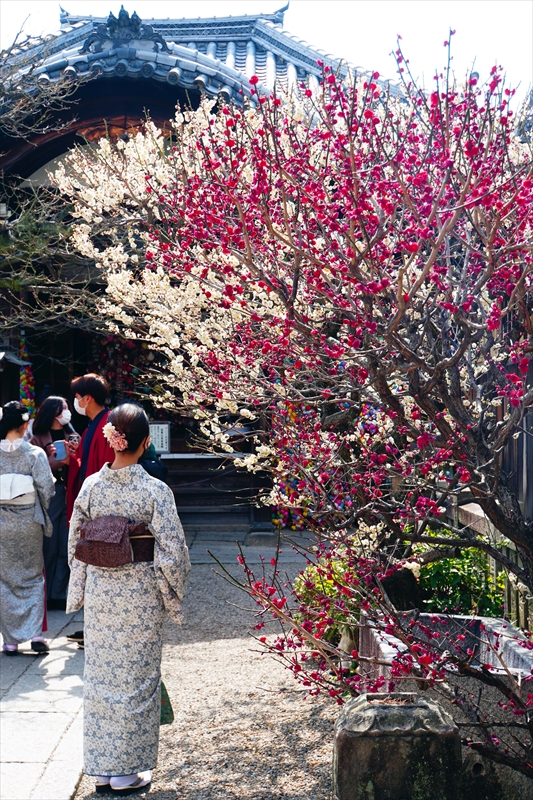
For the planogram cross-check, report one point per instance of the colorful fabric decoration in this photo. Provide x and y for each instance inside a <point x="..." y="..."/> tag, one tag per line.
<point x="26" y="381"/>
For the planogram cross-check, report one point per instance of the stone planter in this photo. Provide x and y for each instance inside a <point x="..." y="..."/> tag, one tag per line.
<point x="396" y="747"/>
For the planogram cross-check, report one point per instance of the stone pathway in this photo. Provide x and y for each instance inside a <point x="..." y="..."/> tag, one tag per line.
<point x="40" y="717"/>
<point x="242" y="728"/>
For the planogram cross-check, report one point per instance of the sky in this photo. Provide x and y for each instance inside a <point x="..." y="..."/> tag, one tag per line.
<point x="362" y="32"/>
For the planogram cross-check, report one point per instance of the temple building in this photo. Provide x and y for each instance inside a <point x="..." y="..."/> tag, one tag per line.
<point x="152" y="66"/>
<point x="125" y="68"/>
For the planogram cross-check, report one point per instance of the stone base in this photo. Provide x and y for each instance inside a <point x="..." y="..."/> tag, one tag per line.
<point x="483" y="779"/>
<point x="403" y="750"/>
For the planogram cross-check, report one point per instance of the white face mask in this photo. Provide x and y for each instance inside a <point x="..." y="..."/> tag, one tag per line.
<point x="65" y="417"/>
<point x="78" y="408"/>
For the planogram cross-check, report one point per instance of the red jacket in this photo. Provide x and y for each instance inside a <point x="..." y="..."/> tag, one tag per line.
<point x="99" y="454"/>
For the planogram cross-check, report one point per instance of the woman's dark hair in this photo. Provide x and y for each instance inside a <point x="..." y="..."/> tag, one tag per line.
<point x="131" y="420"/>
<point x="14" y="415"/>
<point x="48" y="411"/>
<point x="93" y="385"/>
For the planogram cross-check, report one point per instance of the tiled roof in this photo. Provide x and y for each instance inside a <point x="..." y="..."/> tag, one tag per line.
<point x="217" y="54"/>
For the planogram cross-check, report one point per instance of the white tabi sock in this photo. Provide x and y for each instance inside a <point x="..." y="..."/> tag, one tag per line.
<point x="123" y="781"/>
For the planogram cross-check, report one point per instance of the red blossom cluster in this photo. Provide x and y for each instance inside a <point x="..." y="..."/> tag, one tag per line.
<point x="375" y="257"/>
<point x="369" y="258"/>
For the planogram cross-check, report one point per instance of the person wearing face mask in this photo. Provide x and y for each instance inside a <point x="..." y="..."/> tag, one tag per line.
<point x="26" y="486"/>
<point x="129" y="564"/>
<point x="91" y="394"/>
<point x="51" y="431"/>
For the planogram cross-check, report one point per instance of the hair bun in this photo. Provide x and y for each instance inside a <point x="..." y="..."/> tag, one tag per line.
<point x="128" y="425"/>
<point x="12" y="417"/>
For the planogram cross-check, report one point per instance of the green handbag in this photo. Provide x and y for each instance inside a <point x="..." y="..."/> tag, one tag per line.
<point x="167" y="714"/>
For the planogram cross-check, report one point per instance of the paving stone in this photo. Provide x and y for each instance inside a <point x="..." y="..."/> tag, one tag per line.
<point x="31" y="736"/>
<point x="17" y="780"/>
<point x="59" y="780"/>
<point x="11" y="668"/>
<point x="261" y="538"/>
<point x="44" y="700"/>
<point x="65" y="659"/>
<point x="70" y="748"/>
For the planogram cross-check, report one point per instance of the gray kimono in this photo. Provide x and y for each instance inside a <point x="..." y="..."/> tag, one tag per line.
<point x="21" y="547"/>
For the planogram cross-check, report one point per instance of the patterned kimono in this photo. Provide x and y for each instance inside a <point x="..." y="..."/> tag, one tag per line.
<point x="21" y="547"/>
<point x="124" y="609"/>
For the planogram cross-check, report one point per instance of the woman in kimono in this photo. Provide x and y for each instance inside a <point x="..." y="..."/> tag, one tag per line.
<point x="124" y="609"/>
<point x="26" y="486"/>
<point x="52" y="425"/>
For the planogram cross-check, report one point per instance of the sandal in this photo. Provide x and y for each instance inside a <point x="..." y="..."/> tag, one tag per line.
<point x="101" y="788"/>
<point x="142" y="784"/>
<point x="40" y="647"/>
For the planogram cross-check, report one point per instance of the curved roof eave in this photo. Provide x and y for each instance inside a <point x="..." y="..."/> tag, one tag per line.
<point x="197" y="50"/>
<point x="183" y="67"/>
<point x="164" y="51"/>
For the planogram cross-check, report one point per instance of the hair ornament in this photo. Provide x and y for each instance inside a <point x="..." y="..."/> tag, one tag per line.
<point x="1" y="412"/>
<point x="25" y="416"/>
<point x="116" y="439"/>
